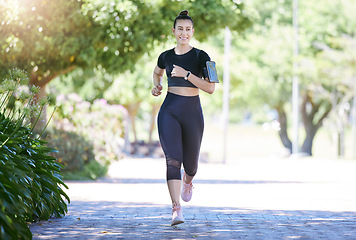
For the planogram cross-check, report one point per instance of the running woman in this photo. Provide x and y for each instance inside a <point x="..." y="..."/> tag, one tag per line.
<point x="180" y="119"/>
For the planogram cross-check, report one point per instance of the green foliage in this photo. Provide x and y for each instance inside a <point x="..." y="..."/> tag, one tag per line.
<point x="46" y="34"/>
<point x="76" y="154"/>
<point x="129" y="29"/>
<point x="93" y="170"/>
<point x="51" y="37"/>
<point x="262" y="60"/>
<point x="263" y="56"/>
<point x="30" y="179"/>
<point x="139" y="83"/>
<point x="73" y="150"/>
<point x="324" y="21"/>
<point x="86" y="135"/>
<point x="324" y="67"/>
<point x="88" y="84"/>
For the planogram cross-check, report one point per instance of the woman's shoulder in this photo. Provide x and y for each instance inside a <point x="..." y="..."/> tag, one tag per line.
<point x="163" y="56"/>
<point x="167" y="51"/>
<point x="202" y="54"/>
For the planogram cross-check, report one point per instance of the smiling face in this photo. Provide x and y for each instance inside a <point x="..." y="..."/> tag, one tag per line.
<point x="183" y="31"/>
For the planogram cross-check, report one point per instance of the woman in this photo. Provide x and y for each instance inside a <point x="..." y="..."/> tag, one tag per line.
<point x="180" y="120"/>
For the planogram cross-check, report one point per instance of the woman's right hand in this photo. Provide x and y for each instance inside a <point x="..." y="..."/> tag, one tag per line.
<point x="157" y="90"/>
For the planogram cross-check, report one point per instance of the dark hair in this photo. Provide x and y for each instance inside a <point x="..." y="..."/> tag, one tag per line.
<point x="183" y="15"/>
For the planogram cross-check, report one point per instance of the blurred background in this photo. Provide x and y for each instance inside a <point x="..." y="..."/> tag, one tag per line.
<point x="93" y="60"/>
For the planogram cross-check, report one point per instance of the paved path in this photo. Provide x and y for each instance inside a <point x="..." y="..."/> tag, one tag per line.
<point x="248" y="199"/>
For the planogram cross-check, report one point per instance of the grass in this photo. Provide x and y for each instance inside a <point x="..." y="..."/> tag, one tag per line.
<point x="243" y="141"/>
<point x="254" y="141"/>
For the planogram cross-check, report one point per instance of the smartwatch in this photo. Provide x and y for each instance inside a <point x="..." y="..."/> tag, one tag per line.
<point x="186" y="77"/>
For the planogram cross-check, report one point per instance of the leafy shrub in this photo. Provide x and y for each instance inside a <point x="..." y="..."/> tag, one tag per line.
<point x="73" y="150"/>
<point x="76" y="154"/>
<point x="86" y="135"/>
<point x="30" y="179"/>
<point x="91" y="170"/>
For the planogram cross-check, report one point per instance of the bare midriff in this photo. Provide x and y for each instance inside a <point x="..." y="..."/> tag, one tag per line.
<point x="184" y="91"/>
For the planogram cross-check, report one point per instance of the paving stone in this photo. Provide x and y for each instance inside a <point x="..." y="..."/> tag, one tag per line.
<point x="254" y="199"/>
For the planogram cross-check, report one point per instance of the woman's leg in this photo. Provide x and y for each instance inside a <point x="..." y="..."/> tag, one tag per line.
<point x="188" y="179"/>
<point x="174" y="190"/>
<point x="192" y="132"/>
<point x="171" y="141"/>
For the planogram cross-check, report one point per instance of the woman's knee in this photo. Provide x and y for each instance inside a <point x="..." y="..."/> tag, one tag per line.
<point x="173" y="169"/>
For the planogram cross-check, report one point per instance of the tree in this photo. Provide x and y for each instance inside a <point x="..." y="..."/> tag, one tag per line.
<point x="50" y="38"/>
<point x="336" y="65"/>
<point x="324" y="25"/>
<point x="45" y="38"/>
<point x="264" y="61"/>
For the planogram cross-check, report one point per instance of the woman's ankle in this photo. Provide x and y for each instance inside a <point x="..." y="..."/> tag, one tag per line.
<point x="176" y="205"/>
<point x="186" y="177"/>
<point x="188" y="182"/>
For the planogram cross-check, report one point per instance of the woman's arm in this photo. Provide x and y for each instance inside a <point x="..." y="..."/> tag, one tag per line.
<point x="202" y="84"/>
<point x="157" y="79"/>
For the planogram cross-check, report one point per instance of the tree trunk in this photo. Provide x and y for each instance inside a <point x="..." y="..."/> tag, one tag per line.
<point x="308" y="141"/>
<point x="283" y="134"/>
<point x="155" y="108"/>
<point x="309" y="111"/>
<point x="41" y="81"/>
<point x="132" y="110"/>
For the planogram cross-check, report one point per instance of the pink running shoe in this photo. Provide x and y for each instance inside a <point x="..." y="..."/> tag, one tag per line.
<point x="177" y="215"/>
<point x="187" y="190"/>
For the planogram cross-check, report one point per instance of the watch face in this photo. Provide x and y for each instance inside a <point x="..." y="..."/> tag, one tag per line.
<point x="186" y="77"/>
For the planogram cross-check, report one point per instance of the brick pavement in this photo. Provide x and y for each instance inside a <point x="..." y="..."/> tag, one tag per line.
<point x="248" y="199"/>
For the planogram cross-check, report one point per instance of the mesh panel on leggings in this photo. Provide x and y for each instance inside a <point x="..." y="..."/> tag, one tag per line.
<point x="173" y="169"/>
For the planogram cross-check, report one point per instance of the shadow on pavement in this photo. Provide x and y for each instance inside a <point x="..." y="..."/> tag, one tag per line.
<point x="118" y="220"/>
<point x="163" y="181"/>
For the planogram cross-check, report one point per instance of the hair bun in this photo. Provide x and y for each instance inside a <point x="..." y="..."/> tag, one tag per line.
<point x="184" y="12"/>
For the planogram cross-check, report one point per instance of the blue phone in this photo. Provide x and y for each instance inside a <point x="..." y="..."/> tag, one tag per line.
<point x="210" y="72"/>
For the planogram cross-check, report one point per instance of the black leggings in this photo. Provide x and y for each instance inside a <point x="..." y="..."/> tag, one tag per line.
<point x="180" y="128"/>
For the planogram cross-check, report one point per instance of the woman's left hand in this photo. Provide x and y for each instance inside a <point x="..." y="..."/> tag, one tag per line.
<point x="178" y="71"/>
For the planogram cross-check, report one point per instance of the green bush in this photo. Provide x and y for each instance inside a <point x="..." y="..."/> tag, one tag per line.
<point x="73" y="150"/>
<point x="30" y="179"/>
<point x="88" y="136"/>
<point x="92" y="170"/>
<point x="76" y="154"/>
